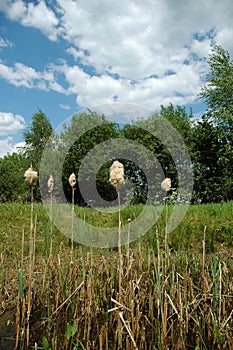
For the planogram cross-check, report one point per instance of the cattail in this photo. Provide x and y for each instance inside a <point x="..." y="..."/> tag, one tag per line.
<point x="166" y="184"/>
<point x="50" y="190"/>
<point x="31" y="175"/>
<point x="116" y="174"/>
<point x="72" y="180"/>
<point x="117" y="180"/>
<point x="50" y="184"/>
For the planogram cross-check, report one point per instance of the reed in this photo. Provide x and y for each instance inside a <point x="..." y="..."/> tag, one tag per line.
<point x="72" y="182"/>
<point x="50" y="191"/>
<point x="188" y="305"/>
<point x="31" y="176"/>
<point x="117" y="180"/>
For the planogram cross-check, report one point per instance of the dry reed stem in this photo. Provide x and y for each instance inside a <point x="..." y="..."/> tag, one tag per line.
<point x="67" y="299"/>
<point x="203" y="259"/>
<point x="119" y="246"/>
<point x="220" y="293"/>
<point x="128" y="330"/>
<point x="117" y="180"/>
<point x="72" y="182"/>
<point x="30" y="270"/>
<point x="17" y="321"/>
<point x="72" y="227"/>
<point x="50" y="190"/>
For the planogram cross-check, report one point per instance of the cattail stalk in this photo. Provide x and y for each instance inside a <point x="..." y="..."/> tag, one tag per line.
<point x="166" y="186"/>
<point x="50" y="190"/>
<point x="119" y="243"/>
<point x="117" y="180"/>
<point x="128" y="240"/>
<point x="72" y="182"/>
<point x="30" y="176"/>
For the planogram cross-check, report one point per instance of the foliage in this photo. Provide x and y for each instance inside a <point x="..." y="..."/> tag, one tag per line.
<point x="79" y="139"/>
<point x="36" y="136"/>
<point x="209" y="141"/>
<point x="218" y="94"/>
<point x="205" y="154"/>
<point x="164" y="135"/>
<point x="13" y="186"/>
<point x="218" y="91"/>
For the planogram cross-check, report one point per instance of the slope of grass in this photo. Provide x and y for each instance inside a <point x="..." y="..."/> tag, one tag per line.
<point x="174" y="297"/>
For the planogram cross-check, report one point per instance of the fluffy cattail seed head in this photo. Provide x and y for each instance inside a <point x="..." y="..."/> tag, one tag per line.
<point x="31" y="175"/>
<point x="72" y="180"/>
<point x="166" y="184"/>
<point x="50" y="184"/>
<point x="116" y="174"/>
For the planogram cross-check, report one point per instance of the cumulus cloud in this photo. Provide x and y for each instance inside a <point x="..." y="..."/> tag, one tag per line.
<point x="148" y="52"/>
<point x="10" y="123"/>
<point x="8" y="147"/>
<point x="137" y="39"/>
<point x="66" y="107"/>
<point x="32" y="15"/>
<point x="21" y="75"/>
<point x="5" y="43"/>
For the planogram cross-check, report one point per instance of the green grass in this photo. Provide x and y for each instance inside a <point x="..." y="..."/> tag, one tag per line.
<point x="175" y="297"/>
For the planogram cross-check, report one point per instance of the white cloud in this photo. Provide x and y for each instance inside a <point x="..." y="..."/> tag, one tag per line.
<point x="135" y="39"/>
<point x="32" y="15"/>
<point x="5" y="43"/>
<point x="8" y="147"/>
<point x="224" y="38"/>
<point x="148" y="53"/>
<point x="28" y="77"/>
<point x="17" y="147"/>
<point x="11" y="123"/>
<point x="140" y="43"/>
<point x="67" y="107"/>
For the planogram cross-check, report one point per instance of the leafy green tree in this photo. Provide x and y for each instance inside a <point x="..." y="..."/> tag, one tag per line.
<point x="36" y="137"/>
<point x="218" y="95"/>
<point x="162" y="134"/>
<point x="180" y="120"/>
<point x="218" y="90"/>
<point x="13" y="186"/>
<point x="205" y="156"/>
<point x="80" y="140"/>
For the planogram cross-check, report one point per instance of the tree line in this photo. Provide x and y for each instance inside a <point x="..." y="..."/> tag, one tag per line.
<point x="209" y="141"/>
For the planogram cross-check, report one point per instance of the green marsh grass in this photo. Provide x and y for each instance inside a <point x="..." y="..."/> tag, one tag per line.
<point x="184" y="302"/>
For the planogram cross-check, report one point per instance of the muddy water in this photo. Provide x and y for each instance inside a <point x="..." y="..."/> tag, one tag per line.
<point x="7" y="330"/>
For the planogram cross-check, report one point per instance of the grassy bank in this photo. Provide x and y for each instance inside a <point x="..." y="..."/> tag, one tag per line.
<point x="174" y="296"/>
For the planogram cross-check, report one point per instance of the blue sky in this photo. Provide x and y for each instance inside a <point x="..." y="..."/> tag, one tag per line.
<point x="64" y="55"/>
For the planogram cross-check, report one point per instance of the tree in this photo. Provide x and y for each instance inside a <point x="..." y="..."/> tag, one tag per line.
<point x="36" y="137"/>
<point x="80" y="139"/>
<point x="205" y="156"/>
<point x="218" y="95"/>
<point x="13" y="186"/>
<point x="164" y="135"/>
<point x="218" y="90"/>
